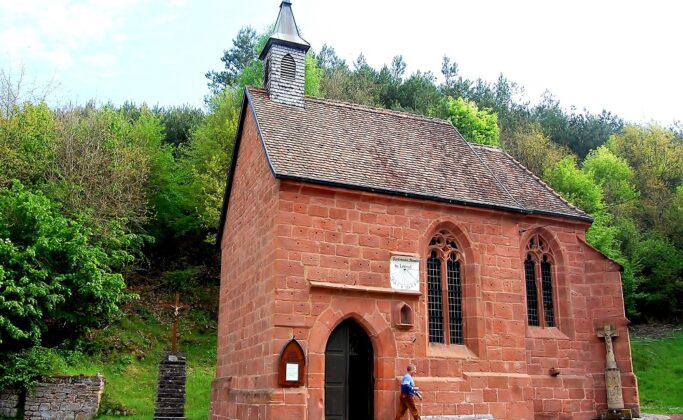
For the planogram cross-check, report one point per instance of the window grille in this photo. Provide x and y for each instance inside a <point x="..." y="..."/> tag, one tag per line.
<point x="538" y="265"/>
<point x="444" y="291"/>
<point x="547" y="286"/>
<point x="454" y="301"/>
<point x="531" y="291"/>
<point x="434" y="298"/>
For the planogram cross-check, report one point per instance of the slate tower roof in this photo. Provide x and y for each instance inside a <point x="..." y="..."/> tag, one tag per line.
<point x="285" y="32"/>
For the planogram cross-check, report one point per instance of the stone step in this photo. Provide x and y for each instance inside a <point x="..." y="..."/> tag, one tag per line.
<point x="171" y="381"/>
<point x="169" y="413"/>
<point x="164" y="391"/>
<point x="170" y="401"/>
<point x="167" y="385"/>
<point x="170" y="404"/>
<point x="170" y="398"/>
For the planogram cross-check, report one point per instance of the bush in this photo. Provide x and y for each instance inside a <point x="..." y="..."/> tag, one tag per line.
<point x="659" y="278"/>
<point x="58" y="277"/>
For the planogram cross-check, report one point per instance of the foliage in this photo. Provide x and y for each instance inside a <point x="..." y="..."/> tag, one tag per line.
<point x="576" y="186"/>
<point x="22" y="369"/>
<point x="476" y="125"/>
<point x="532" y="148"/>
<point x="178" y="123"/>
<point x="581" y="132"/>
<point x="657" y="161"/>
<point x="236" y="59"/>
<point x="659" y="277"/>
<point x="56" y="276"/>
<point x="26" y="143"/>
<point x="615" y="176"/>
<point x="206" y="162"/>
<point x="108" y="165"/>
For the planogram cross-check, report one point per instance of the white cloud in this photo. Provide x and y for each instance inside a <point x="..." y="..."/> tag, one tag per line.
<point x="58" y="30"/>
<point x="101" y="60"/>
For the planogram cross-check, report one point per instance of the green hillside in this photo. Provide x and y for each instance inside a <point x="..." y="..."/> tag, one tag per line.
<point x="658" y="363"/>
<point x="128" y="355"/>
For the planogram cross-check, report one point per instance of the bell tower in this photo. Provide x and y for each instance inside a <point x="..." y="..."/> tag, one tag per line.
<point x="284" y="60"/>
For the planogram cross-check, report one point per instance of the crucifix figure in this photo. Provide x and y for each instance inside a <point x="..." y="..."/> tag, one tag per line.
<point x="615" y="399"/>
<point x="176" y="314"/>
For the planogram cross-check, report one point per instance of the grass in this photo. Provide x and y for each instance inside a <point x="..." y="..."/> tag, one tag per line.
<point x="128" y="355"/>
<point x="658" y="364"/>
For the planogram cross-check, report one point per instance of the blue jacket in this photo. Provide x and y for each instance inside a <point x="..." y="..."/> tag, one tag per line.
<point x="408" y="385"/>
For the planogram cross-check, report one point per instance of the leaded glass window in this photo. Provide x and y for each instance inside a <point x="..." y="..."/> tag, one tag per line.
<point x="444" y="290"/>
<point x="538" y="274"/>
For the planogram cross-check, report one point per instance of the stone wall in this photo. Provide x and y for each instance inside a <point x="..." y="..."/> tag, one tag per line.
<point x="65" y="397"/>
<point x="9" y="403"/>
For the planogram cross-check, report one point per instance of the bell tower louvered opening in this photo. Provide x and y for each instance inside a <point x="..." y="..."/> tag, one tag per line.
<point x="288" y="68"/>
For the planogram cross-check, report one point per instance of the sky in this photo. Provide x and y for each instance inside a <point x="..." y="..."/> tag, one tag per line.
<point x="621" y="55"/>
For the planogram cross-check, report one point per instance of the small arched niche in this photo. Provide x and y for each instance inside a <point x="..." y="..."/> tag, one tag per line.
<point x="403" y="316"/>
<point x="292" y="365"/>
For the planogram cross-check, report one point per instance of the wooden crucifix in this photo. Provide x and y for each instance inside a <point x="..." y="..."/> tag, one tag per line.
<point x="177" y="307"/>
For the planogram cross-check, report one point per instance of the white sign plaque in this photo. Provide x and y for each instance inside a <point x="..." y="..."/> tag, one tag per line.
<point x="292" y="372"/>
<point x="404" y="273"/>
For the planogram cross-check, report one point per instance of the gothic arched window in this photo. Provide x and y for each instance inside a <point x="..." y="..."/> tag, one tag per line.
<point x="444" y="290"/>
<point x="538" y="276"/>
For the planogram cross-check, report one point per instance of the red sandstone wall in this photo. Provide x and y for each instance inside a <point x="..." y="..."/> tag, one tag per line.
<point x="344" y="237"/>
<point x="247" y="288"/>
<point x="279" y="236"/>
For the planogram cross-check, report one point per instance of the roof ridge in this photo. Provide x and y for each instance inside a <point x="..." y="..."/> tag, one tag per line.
<point x="359" y="107"/>
<point x="500" y="183"/>
<point x="543" y="183"/>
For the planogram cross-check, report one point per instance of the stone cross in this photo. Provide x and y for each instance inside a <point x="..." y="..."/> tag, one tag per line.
<point x="176" y="308"/>
<point x="615" y="400"/>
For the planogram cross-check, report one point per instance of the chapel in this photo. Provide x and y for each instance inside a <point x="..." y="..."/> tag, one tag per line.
<point x="355" y="241"/>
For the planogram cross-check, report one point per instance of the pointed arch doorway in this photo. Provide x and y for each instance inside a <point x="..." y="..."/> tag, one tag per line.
<point x="349" y="374"/>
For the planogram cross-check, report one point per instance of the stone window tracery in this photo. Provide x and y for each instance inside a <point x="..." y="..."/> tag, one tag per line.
<point x="538" y="274"/>
<point x="444" y="290"/>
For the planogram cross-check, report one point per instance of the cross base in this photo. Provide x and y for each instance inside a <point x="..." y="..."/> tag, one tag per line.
<point x="616" y="414"/>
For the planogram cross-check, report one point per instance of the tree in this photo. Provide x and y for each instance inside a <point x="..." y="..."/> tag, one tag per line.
<point x="577" y="187"/>
<point x="615" y="177"/>
<point x="179" y="122"/>
<point x="56" y="277"/>
<point x="107" y="165"/>
<point x="236" y="59"/>
<point x="581" y="132"/>
<point x="528" y="144"/>
<point x="659" y="278"/>
<point x="203" y="166"/>
<point x="476" y="125"/>
<point x="26" y="144"/>
<point x="656" y="158"/>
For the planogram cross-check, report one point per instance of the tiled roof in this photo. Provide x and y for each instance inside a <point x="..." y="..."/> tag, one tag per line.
<point x="392" y="152"/>
<point x="529" y="190"/>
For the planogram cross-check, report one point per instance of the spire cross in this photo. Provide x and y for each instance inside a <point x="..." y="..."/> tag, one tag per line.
<point x="177" y="307"/>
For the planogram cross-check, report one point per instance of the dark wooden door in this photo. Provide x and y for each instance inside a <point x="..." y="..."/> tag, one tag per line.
<point x="349" y="376"/>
